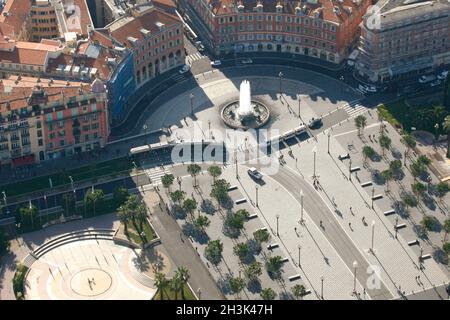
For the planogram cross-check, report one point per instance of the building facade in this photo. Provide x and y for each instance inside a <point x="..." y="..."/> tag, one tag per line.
<point x="324" y="29"/>
<point x="44" y="119"/>
<point x="406" y="38"/>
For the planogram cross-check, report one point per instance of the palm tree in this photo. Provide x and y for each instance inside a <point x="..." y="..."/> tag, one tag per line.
<point x="177" y="196"/>
<point x="268" y="294"/>
<point x="161" y="283"/>
<point x="387" y="176"/>
<point x="360" y="123"/>
<point x="438" y="113"/>
<point x="446" y="228"/>
<point x="176" y="285"/>
<point x="299" y="291"/>
<point x="124" y="216"/>
<point x="446" y="126"/>
<point x="182" y="274"/>
<point x="367" y="152"/>
<point x="189" y="205"/>
<point x="422" y="118"/>
<point x="167" y="180"/>
<point x="409" y="142"/>
<point x="194" y="170"/>
<point x="385" y="142"/>
<point x="418" y="189"/>
<point x="202" y="222"/>
<point x="215" y="171"/>
<point x="141" y="215"/>
<point x="237" y="285"/>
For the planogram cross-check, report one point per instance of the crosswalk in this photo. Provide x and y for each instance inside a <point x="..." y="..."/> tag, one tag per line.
<point x="194" y="57"/>
<point x="155" y="175"/>
<point x="178" y="77"/>
<point x="354" y="109"/>
<point x="359" y="91"/>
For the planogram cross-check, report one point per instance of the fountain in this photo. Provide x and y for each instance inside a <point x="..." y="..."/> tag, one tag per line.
<point x="245" y="113"/>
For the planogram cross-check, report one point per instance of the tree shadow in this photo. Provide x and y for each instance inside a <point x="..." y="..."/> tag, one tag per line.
<point x="429" y="202"/>
<point x="440" y="256"/>
<point x="224" y="283"/>
<point x="254" y="247"/>
<point x="286" y="296"/>
<point x="254" y="286"/>
<point x="227" y="203"/>
<point x="377" y="178"/>
<point x="208" y="207"/>
<point x="376" y="157"/>
<point x="400" y="209"/>
<point x="230" y="231"/>
<point x="396" y="153"/>
<point x="178" y="212"/>
<point x="420" y="232"/>
<point x="398" y="174"/>
<point x="191" y="231"/>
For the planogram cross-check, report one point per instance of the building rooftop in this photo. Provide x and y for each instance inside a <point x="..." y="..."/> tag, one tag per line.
<point x="29" y="53"/>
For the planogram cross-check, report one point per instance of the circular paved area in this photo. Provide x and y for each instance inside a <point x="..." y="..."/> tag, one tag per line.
<point x="88" y="269"/>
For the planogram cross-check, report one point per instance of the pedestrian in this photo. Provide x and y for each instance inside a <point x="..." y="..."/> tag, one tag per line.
<point x="350" y="225"/>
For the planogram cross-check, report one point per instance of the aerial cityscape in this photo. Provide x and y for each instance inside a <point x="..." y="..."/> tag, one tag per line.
<point x="224" y="150"/>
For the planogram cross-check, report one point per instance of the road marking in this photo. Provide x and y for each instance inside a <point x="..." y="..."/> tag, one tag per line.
<point x="194" y="57"/>
<point x="155" y="175"/>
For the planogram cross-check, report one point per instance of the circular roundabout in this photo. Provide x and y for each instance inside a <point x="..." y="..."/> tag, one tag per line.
<point x="91" y="282"/>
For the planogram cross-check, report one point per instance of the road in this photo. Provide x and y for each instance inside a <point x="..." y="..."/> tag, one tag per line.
<point x="319" y="211"/>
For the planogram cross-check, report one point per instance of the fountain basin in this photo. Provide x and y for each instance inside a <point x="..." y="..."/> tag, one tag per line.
<point x="258" y="116"/>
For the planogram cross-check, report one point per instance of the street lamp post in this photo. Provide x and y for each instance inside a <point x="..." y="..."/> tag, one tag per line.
<point x="321" y="287"/>
<point x="404" y="159"/>
<point x="5" y="201"/>
<point x="373" y="194"/>
<point x="209" y="129"/>
<point x="373" y="234"/>
<point x="71" y="182"/>
<point x="301" y="207"/>
<point x="256" y="191"/>
<point x="145" y="127"/>
<point x="299" y="106"/>
<point x="329" y="136"/>
<point x="236" y="163"/>
<point x="299" y="255"/>
<point x="137" y="179"/>
<point x="280" y="75"/>
<point x="350" y="170"/>
<point x="436" y="127"/>
<point x="395" y="227"/>
<point x="191" y="96"/>
<point x="314" y="171"/>
<point x="355" y="266"/>
<point x="278" y="217"/>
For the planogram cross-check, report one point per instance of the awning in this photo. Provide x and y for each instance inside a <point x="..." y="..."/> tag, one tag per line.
<point x="405" y="68"/>
<point x="22" y="161"/>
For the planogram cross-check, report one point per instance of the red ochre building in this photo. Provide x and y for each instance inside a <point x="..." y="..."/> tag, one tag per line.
<point x="43" y="119"/>
<point x="324" y="29"/>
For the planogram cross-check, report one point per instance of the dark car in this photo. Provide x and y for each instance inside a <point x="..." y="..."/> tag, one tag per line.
<point x="314" y="123"/>
<point x="255" y="173"/>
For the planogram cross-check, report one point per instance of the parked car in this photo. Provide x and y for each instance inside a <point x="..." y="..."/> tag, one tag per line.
<point x="247" y="61"/>
<point x="426" y="79"/>
<point x="252" y="172"/>
<point x="216" y="63"/>
<point x="314" y="123"/>
<point x="370" y="88"/>
<point x="184" y="69"/>
<point x="435" y="83"/>
<point x="443" y="75"/>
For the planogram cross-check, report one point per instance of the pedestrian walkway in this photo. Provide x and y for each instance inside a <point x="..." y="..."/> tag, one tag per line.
<point x="194" y="57"/>
<point x="354" y="109"/>
<point x="155" y="175"/>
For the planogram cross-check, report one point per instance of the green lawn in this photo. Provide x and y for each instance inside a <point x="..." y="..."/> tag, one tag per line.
<point x="133" y="234"/>
<point x="401" y="115"/>
<point x="93" y="171"/>
<point x="169" y="294"/>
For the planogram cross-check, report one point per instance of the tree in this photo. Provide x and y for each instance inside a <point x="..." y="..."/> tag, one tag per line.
<point x="213" y="251"/>
<point x="439" y="113"/>
<point x="161" y="284"/>
<point x="395" y="166"/>
<point x="4" y="243"/>
<point x="446" y="247"/>
<point x="442" y="189"/>
<point x="299" y="291"/>
<point x="176" y="285"/>
<point x="237" y="285"/>
<point x="124" y="216"/>
<point x="418" y="189"/>
<point x="237" y="219"/>
<point x="424" y="161"/>
<point x="409" y="200"/>
<point x="120" y="195"/>
<point x="132" y="205"/>
<point x="27" y="215"/>
<point x="446" y="126"/>
<point x="68" y="200"/>
<point x="167" y="180"/>
<point x="368" y="152"/>
<point x="94" y="199"/>
<point x="429" y="222"/>
<point x="215" y="171"/>
<point x="241" y="250"/>
<point x="416" y="169"/>
<point x="422" y="118"/>
<point x="385" y="143"/>
<point x="360" y="123"/>
<point x="201" y="223"/>
<point x="141" y="216"/>
<point x="194" y="169"/>
<point x="253" y="271"/>
<point x="220" y="190"/>
<point x="268" y="294"/>
<point x="261" y="236"/>
<point x="387" y="176"/>
<point x="177" y="196"/>
<point x="409" y="142"/>
<point x="189" y="205"/>
<point x="274" y="264"/>
<point x="446" y="228"/>
<point x="182" y="274"/>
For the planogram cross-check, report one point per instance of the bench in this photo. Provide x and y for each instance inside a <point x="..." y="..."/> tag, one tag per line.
<point x="253" y="216"/>
<point x="400" y="226"/>
<point x="232" y="188"/>
<point x="425" y="256"/>
<point x="353" y="169"/>
<point x="294" y="277"/>
<point x="413" y="242"/>
<point x="272" y="246"/>
<point x="285" y="259"/>
<point x="389" y="212"/>
<point x="239" y="201"/>
<point x="344" y="156"/>
<point x="366" y="184"/>
<point x="377" y="196"/>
